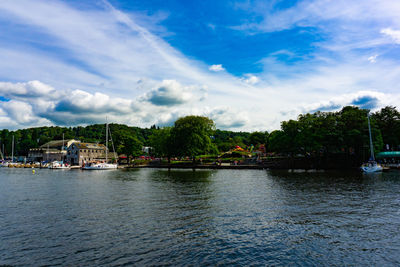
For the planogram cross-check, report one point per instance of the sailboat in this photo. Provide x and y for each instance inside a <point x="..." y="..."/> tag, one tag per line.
<point x="371" y="165"/>
<point x="103" y="165"/>
<point x="10" y="164"/>
<point x="3" y="162"/>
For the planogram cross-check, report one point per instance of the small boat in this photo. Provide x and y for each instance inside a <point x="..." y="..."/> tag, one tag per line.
<point x="59" y="165"/>
<point x="4" y="164"/>
<point x="371" y="165"/>
<point x="102" y="165"/>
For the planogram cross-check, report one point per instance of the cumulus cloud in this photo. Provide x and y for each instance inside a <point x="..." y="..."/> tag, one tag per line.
<point x="366" y="102"/>
<point x="21" y="113"/>
<point x="29" y="106"/>
<point x="394" y="34"/>
<point x="216" y="68"/>
<point x="29" y="89"/>
<point x="169" y="93"/>
<point x="35" y="104"/>
<point x="363" y="99"/>
<point x="224" y="117"/>
<point x="79" y="101"/>
<point x="228" y="118"/>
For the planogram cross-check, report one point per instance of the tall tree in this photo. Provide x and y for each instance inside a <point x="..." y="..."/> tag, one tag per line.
<point x="192" y="136"/>
<point x="388" y="121"/>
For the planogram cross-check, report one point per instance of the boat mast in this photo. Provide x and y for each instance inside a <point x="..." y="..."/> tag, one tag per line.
<point x="12" y="150"/>
<point x="106" y="140"/>
<point x="370" y="140"/>
<point x="1" y="152"/>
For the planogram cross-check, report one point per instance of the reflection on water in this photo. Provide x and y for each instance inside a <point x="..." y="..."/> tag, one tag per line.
<point x="182" y="176"/>
<point x="202" y="217"/>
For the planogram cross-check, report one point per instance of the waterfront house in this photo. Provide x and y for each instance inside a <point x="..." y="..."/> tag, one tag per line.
<point x="80" y="153"/>
<point x="55" y="150"/>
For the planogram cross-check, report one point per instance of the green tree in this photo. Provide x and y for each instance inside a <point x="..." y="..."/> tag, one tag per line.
<point x="277" y="141"/>
<point x="162" y="143"/>
<point x="388" y="121"/>
<point x="257" y="138"/>
<point x="131" y="146"/>
<point x="191" y="136"/>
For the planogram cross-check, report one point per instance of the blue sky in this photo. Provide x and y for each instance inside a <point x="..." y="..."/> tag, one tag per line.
<point x="248" y="65"/>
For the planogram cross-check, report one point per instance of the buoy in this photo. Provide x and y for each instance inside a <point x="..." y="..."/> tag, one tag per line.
<point x="33" y="171"/>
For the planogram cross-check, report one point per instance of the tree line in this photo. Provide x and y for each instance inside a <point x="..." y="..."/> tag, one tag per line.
<point x="318" y="134"/>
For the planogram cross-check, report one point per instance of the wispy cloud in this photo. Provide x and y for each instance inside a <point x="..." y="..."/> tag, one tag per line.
<point x="394" y="34"/>
<point x="372" y="59"/>
<point x="65" y="65"/>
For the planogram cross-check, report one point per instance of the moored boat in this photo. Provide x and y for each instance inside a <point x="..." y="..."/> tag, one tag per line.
<point x="59" y="165"/>
<point x="371" y="165"/>
<point x="102" y="165"/>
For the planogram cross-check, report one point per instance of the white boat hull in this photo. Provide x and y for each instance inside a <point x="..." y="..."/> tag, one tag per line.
<point x="101" y="166"/>
<point x="60" y="168"/>
<point x="58" y="165"/>
<point x="372" y="168"/>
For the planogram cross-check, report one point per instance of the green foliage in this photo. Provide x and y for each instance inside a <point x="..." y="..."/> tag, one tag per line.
<point x="161" y="142"/>
<point x="226" y="140"/>
<point x="191" y="136"/>
<point x="388" y="121"/>
<point x="324" y="133"/>
<point x="257" y="138"/>
<point x="127" y="140"/>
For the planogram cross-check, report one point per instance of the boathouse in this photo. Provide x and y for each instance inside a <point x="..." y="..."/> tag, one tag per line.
<point x="80" y="153"/>
<point x="55" y="150"/>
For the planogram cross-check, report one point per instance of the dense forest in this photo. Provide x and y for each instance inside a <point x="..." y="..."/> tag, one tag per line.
<point x="319" y="134"/>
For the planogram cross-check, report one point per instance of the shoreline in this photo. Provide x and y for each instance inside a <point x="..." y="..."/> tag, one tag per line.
<point x="220" y="167"/>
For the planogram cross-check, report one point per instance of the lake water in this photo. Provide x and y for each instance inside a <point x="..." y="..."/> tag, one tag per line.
<point x="203" y="217"/>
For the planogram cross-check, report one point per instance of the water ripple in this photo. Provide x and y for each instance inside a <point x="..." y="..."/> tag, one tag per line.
<point x="185" y="217"/>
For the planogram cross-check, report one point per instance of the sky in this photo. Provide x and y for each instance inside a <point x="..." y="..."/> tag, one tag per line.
<point x="248" y="65"/>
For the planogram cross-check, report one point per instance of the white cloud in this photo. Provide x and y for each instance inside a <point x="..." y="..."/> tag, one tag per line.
<point x="79" y="101"/>
<point x="228" y="118"/>
<point x="21" y="113"/>
<point x="27" y="90"/>
<point x="35" y="103"/>
<point x="372" y="100"/>
<point x="311" y="13"/>
<point x="250" y="79"/>
<point x="108" y="52"/>
<point x="372" y="59"/>
<point x="169" y="93"/>
<point x="216" y="68"/>
<point x="394" y="34"/>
